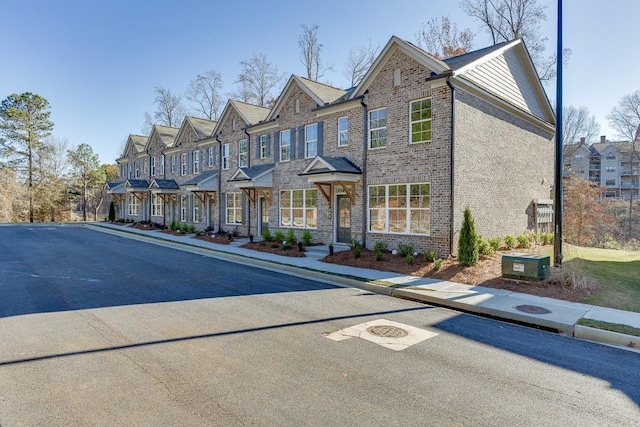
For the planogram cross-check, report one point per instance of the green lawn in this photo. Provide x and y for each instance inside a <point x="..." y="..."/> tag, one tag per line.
<point x="616" y="272"/>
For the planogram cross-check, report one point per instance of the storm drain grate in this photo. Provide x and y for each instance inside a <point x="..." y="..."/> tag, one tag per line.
<point x="387" y="331"/>
<point x="532" y="309"/>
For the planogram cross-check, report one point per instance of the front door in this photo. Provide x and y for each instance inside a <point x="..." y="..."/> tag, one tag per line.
<point x="263" y="214"/>
<point x="343" y="221"/>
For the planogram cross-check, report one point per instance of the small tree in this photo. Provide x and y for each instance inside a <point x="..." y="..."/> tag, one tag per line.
<point x="112" y="211"/>
<point x="468" y="241"/>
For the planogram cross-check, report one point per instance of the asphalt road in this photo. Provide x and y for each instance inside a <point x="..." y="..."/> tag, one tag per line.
<point x="102" y="330"/>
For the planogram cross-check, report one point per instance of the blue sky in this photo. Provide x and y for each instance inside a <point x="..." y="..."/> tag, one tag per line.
<point x="97" y="62"/>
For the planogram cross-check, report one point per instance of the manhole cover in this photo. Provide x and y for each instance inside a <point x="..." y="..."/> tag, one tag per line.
<point x="532" y="309"/>
<point x="387" y="331"/>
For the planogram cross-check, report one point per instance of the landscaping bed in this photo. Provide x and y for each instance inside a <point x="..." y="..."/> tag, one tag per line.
<point x="274" y="248"/>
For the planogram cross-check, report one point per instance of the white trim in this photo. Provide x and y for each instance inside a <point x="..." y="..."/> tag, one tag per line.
<point x="288" y="131"/>
<point x="347" y="131"/>
<point x="370" y="129"/>
<point x="421" y="121"/>
<point x="310" y="142"/>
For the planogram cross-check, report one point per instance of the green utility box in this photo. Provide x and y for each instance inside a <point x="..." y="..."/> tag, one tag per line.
<point x="526" y="267"/>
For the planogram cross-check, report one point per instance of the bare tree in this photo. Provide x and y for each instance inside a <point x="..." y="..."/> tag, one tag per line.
<point x="578" y="123"/>
<point x="52" y="189"/>
<point x="506" y="20"/>
<point x="11" y="195"/>
<point x="360" y="60"/>
<point x="169" y="110"/>
<point x="443" y="40"/>
<point x="310" y="52"/>
<point x="257" y="79"/>
<point x="86" y="170"/>
<point x="625" y="118"/>
<point x="204" y="92"/>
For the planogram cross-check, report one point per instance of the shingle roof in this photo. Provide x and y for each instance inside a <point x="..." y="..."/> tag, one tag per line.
<point x="137" y="183"/>
<point x="139" y="142"/>
<point x="254" y="171"/>
<point x="460" y="61"/>
<point x="166" y="184"/>
<point x="252" y="113"/>
<point x="167" y="134"/>
<point x="204" y="176"/>
<point x="203" y="127"/>
<point x="326" y="93"/>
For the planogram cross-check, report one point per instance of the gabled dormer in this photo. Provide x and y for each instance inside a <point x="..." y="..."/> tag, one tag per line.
<point x="319" y="93"/>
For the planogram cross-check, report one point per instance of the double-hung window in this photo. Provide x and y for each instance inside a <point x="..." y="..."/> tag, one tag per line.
<point x="243" y="153"/>
<point x="133" y="204"/>
<point x="210" y="156"/>
<point x="285" y="145"/>
<point x="420" y="116"/>
<point x="400" y="208"/>
<point x="225" y="156"/>
<point x="183" y="164"/>
<point x="183" y="208"/>
<point x="343" y="131"/>
<point x="378" y="128"/>
<point x="146" y="167"/>
<point x="162" y="160"/>
<point x="196" y="161"/>
<point x="157" y="207"/>
<point x="129" y="171"/>
<point x="299" y="208"/>
<point x="195" y="203"/>
<point x="153" y="166"/>
<point x="262" y="146"/>
<point x="310" y="141"/>
<point x="137" y="169"/>
<point x="234" y="208"/>
<point x="174" y="164"/>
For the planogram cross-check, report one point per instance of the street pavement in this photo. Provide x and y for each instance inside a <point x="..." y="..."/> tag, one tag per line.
<point x="558" y="315"/>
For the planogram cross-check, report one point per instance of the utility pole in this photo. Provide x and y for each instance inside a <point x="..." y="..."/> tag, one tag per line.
<point x="557" y="238"/>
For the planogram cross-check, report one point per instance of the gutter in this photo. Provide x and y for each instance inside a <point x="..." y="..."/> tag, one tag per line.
<point x="365" y="140"/>
<point x="248" y="166"/>
<point x="452" y="163"/>
<point x="217" y="137"/>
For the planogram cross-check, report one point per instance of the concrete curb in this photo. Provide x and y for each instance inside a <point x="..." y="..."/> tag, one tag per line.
<point x="629" y="342"/>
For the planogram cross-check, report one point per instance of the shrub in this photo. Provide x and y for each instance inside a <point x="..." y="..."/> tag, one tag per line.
<point x="547" y="238"/>
<point x="409" y="259"/>
<point x="430" y="255"/>
<point x="173" y="225"/>
<point x="437" y="264"/>
<point x="279" y="236"/>
<point x="523" y="241"/>
<point x="509" y="241"/>
<point x="356" y="247"/>
<point x="183" y="228"/>
<point x="306" y="237"/>
<point x="379" y="255"/>
<point x="290" y="238"/>
<point x="266" y="235"/>
<point x="405" y="249"/>
<point x="572" y="276"/>
<point x="380" y="246"/>
<point x="468" y="241"/>
<point x="112" y="211"/>
<point x="495" y="243"/>
<point x="191" y="228"/>
<point x="484" y="248"/>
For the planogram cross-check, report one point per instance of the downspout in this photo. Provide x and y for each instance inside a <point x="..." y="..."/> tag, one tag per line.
<point x="452" y="164"/>
<point x="248" y="166"/>
<point x="365" y="140"/>
<point x="217" y="137"/>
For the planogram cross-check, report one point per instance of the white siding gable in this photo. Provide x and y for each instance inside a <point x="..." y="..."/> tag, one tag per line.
<point x="506" y="77"/>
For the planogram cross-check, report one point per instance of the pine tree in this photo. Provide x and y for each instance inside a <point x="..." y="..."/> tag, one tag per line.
<point x="112" y="211"/>
<point x="468" y="241"/>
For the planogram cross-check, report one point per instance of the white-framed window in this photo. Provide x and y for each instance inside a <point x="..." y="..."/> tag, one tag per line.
<point x="210" y="156"/>
<point x="400" y="208"/>
<point x="162" y="161"/>
<point x="225" y="156"/>
<point x="420" y="120"/>
<point x="234" y="208"/>
<point x="174" y="164"/>
<point x="123" y="168"/>
<point x="262" y="146"/>
<point x="133" y="204"/>
<point x="146" y="166"/>
<point x="183" y="207"/>
<point x="610" y="169"/>
<point x="310" y="141"/>
<point x="233" y="124"/>
<point x="610" y="182"/>
<point x="343" y="131"/>
<point x="196" y="161"/>
<point x="285" y="145"/>
<point x="183" y="164"/>
<point x="153" y="166"/>
<point x="299" y="208"/>
<point x="195" y="203"/>
<point x="137" y="169"/>
<point x="157" y="206"/>
<point x="611" y="156"/>
<point x="378" y="128"/>
<point x="243" y="153"/>
<point x="129" y="171"/>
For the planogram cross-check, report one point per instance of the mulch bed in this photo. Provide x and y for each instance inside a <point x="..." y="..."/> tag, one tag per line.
<point x="274" y="248"/>
<point x="220" y="239"/>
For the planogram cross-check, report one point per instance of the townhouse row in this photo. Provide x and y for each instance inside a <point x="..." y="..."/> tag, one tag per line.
<point x="397" y="158"/>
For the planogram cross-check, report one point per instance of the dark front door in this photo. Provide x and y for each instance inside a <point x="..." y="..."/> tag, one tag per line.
<point x="344" y="220"/>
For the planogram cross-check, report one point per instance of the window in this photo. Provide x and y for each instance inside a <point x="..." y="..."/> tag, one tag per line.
<point x="137" y="169"/>
<point x="146" y="166"/>
<point x="285" y="145"/>
<point x="183" y="208"/>
<point x="157" y="207"/>
<point x="234" y="208"/>
<point x="610" y="183"/>
<point x="243" y="153"/>
<point x="310" y="141"/>
<point x="196" y="208"/>
<point x="378" y="128"/>
<point x="130" y="171"/>
<point x="610" y="194"/>
<point x="122" y="170"/>
<point x="134" y="204"/>
<point x="262" y="146"/>
<point x="610" y="169"/>
<point x="299" y="208"/>
<point x="611" y="156"/>
<point x="183" y="164"/>
<point x="421" y="121"/>
<point x="162" y="160"/>
<point x="210" y="156"/>
<point x="174" y="164"/>
<point x="196" y="162"/>
<point x="404" y="208"/>
<point x="343" y="131"/>
<point x="153" y="166"/>
<point x="225" y="156"/>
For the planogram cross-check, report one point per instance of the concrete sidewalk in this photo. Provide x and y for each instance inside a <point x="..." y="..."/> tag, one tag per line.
<point x="514" y="306"/>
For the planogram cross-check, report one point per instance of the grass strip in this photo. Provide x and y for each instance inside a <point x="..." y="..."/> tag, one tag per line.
<point x="613" y="327"/>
